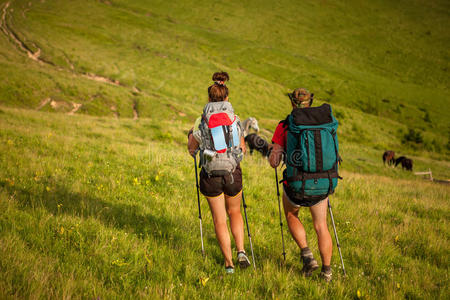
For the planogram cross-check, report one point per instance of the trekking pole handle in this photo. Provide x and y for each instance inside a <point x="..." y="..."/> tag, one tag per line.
<point x="195" y="153"/>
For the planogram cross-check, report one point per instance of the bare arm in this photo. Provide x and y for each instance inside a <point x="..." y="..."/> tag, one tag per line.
<point x="243" y="146"/>
<point x="192" y="144"/>
<point x="275" y="155"/>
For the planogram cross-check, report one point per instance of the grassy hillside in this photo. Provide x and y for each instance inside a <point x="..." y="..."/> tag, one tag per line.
<point x="379" y="58"/>
<point x="96" y="204"/>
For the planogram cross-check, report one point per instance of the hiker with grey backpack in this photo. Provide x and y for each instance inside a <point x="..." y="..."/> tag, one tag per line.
<point x="217" y="137"/>
<point x="307" y="141"/>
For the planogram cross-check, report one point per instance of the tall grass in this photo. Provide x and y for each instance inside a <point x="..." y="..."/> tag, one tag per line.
<point x="97" y="207"/>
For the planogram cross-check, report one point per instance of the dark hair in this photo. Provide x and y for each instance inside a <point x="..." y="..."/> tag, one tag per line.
<point x="217" y="92"/>
<point x="220" y="77"/>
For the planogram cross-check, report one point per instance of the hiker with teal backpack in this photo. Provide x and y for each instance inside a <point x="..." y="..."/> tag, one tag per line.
<point x="307" y="141"/>
<point x="218" y="136"/>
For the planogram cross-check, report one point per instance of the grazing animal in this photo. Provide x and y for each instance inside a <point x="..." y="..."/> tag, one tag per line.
<point x="389" y="157"/>
<point x="407" y="163"/>
<point x="256" y="142"/>
<point x="250" y="123"/>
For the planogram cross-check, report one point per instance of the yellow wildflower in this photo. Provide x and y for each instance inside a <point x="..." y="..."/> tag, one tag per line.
<point x="203" y="281"/>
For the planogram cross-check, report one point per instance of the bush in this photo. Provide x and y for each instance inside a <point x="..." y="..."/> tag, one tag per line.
<point x="426" y="118"/>
<point x="413" y="136"/>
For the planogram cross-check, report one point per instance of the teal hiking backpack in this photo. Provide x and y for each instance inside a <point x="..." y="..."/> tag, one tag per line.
<point x="312" y="153"/>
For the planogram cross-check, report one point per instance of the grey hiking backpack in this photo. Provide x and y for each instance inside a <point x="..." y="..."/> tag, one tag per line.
<point x="221" y="131"/>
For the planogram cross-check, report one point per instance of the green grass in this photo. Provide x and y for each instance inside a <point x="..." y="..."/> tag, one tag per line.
<point x="389" y="64"/>
<point x="97" y="206"/>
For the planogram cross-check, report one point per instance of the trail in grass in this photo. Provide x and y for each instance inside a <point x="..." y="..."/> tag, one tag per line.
<point x="36" y="56"/>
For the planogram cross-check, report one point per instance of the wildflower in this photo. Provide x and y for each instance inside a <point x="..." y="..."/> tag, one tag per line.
<point x="10" y="142"/>
<point x="157" y="178"/>
<point x="47" y="188"/>
<point x="398" y="285"/>
<point x="358" y="294"/>
<point x="203" y="281"/>
<point x="59" y="205"/>
<point x="119" y="263"/>
<point x="136" y="181"/>
<point x="396" y="238"/>
<point x="61" y="230"/>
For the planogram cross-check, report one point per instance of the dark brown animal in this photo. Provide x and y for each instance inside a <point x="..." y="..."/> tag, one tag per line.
<point x="257" y="143"/>
<point x="389" y="157"/>
<point x="407" y="163"/>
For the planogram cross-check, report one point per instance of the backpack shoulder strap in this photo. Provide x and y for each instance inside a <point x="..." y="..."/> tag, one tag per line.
<point x="285" y="122"/>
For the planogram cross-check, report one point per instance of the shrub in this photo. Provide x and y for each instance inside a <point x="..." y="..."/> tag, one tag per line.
<point x="426" y="118"/>
<point x="413" y="136"/>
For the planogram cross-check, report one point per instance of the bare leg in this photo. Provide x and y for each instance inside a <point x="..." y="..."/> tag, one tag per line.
<point x="319" y="216"/>
<point x="233" y="205"/>
<point x="217" y="206"/>
<point x="295" y="226"/>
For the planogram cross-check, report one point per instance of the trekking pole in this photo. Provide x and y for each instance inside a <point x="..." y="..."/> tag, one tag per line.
<point x="248" y="230"/>
<point x="198" y="201"/>
<point x="279" y="212"/>
<point x="337" y="240"/>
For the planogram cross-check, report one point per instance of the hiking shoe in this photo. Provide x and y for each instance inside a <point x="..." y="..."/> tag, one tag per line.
<point x="243" y="260"/>
<point x="326" y="275"/>
<point x="229" y="270"/>
<point x="309" y="265"/>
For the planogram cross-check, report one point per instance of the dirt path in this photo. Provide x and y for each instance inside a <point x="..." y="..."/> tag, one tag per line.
<point x="36" y="56"/>
<point x="6" y="30"/>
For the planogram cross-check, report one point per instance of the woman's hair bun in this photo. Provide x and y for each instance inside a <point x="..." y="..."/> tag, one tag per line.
<point x="220" y="77"/>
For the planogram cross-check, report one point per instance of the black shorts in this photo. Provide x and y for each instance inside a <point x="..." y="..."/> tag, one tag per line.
<point x="306" y="201"/>
<point x="215" y="185"/>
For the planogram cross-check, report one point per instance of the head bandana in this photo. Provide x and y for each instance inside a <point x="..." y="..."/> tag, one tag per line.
<point x="301" y="97"/>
